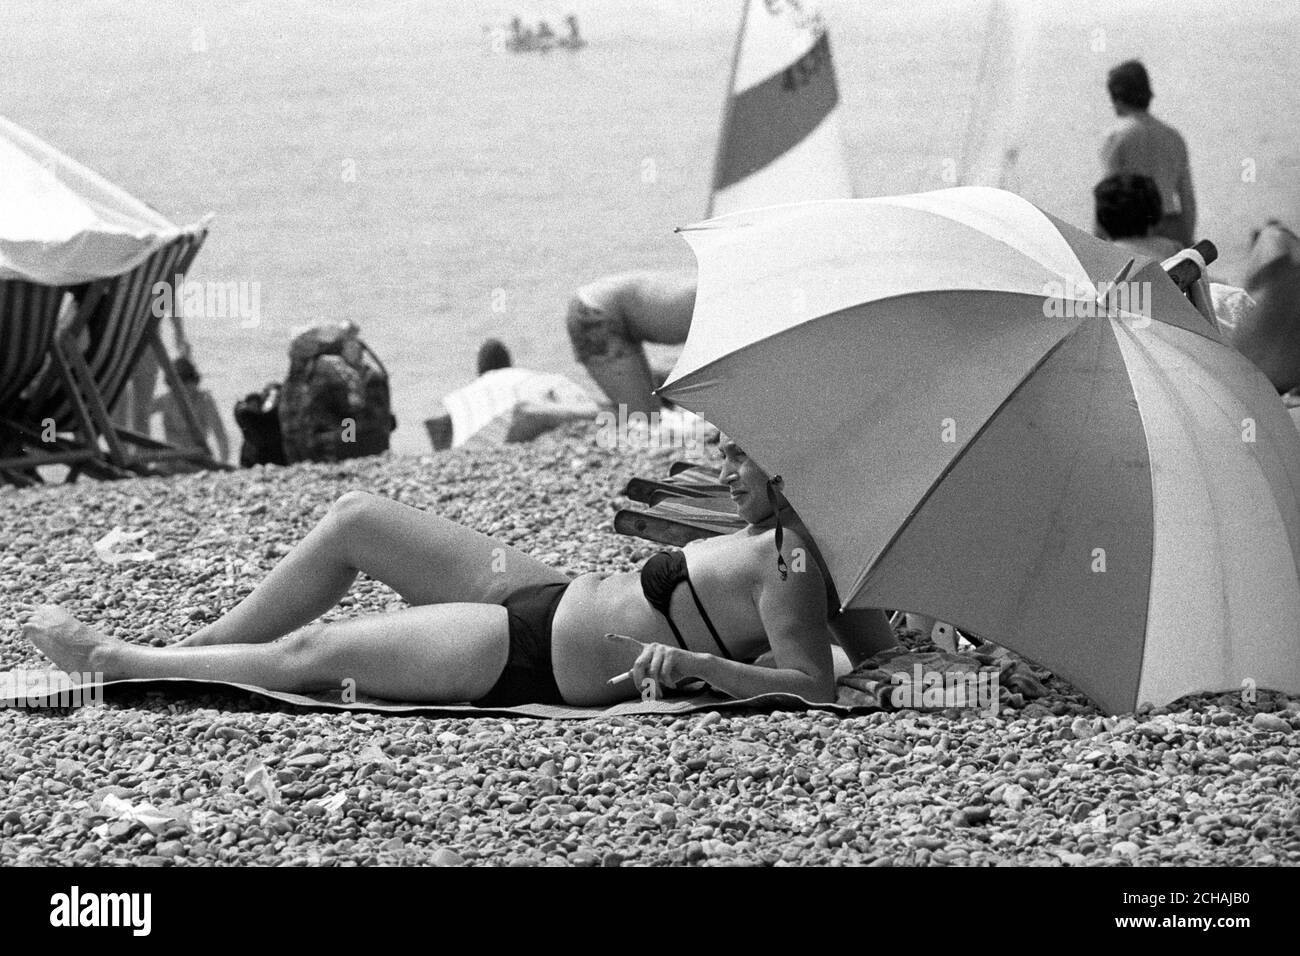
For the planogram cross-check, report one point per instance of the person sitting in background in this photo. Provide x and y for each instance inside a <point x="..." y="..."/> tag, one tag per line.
<point x="175" y="429"/>
<point x="574" y="39"/>
<point x="136" y="404"/>
<point x="1139" y="143"/>
<point x="492" y="355"/>
<point x="1128" y="208"/>
<point x="521" y="37"/>
<point x="506" y="404"/>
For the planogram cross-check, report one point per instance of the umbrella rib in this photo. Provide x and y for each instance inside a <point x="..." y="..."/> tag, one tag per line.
<point x="934" y="485"/>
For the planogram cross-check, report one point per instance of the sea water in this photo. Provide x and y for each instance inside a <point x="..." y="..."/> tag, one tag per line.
<point x="387" y="163"/>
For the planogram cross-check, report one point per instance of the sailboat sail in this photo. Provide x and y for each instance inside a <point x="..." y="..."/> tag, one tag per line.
<point x="781" y="137"/>
<point x="991" y="147"/>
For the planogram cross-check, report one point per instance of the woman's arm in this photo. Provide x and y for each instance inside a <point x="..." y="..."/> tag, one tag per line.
<point x="793" y="612"/>
<point x="749" y="680"/>
<point x="863" y="633"/>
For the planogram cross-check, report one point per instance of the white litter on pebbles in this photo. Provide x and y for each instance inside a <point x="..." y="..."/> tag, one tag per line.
<point x="228" y="779"/>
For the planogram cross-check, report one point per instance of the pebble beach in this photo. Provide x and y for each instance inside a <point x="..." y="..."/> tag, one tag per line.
<point x="178" y="778"/>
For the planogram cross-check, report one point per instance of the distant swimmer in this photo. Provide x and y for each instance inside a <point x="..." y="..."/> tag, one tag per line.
<point x="574" y="40"/>
<point x="521" y="37"/>
<point x="1128" y="208"/>
<point x="609" y="319"/>
<point x="1141" y="144"/>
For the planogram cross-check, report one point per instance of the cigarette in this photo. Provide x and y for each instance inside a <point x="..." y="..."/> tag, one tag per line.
<point x="626" y="675"/>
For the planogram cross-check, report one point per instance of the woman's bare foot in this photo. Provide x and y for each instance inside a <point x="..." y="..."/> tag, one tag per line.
<point x="71" y="645"/>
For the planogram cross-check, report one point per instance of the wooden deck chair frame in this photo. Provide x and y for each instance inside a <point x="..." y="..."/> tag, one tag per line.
<point x="116" y="317"/>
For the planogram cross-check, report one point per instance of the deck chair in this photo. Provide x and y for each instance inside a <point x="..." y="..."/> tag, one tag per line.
<point x="29" y="321"/>
<point x="690" y="504"/>
<point x="94" y="354"/>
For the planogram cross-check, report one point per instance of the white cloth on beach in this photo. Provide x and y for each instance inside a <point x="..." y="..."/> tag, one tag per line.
<point x="1231" y="305"/>
<point x="63" y="224"/>
<point x="502" y="391"/>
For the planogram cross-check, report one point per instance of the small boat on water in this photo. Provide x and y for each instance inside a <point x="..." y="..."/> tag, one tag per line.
<point x="519" y="38"/>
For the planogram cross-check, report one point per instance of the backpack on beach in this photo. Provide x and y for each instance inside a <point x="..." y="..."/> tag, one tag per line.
<point x="335" y="402"/>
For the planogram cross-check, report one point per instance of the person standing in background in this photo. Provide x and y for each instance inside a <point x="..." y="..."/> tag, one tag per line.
<point x="136" y="404"/>
<point x="175" y="429"/>
<point x="1141" y="144"/>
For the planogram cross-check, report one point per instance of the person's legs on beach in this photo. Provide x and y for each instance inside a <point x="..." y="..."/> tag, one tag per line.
<point x="440" y="654"/>
<point x="608" y="320"/>
<point x="614" y="361"/>
<point x="144" y="380"/>
<point x="425" y="558"/>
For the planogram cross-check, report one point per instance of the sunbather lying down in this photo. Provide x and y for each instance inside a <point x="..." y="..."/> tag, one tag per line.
<point x="492" y="626"/>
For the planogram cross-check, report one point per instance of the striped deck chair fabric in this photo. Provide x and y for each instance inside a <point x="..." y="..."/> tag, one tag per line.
<point x="29" y="315"/>
<point x="118" y="328"/>
<point x="688" y="505"/>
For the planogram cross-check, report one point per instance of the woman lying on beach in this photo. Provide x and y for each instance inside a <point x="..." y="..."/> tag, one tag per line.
<point x="492" y="626"/>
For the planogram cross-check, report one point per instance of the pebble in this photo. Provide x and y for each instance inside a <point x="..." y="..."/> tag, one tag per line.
<point x="308" y="760"/>
<point x="1127" y="821"/>
<point x="973" y="815"/>
<point x="1014" y="796"/>
<point x="1125" y="848"/>
<point x="1271" y="723"/>
<point x="1081" y="728"/>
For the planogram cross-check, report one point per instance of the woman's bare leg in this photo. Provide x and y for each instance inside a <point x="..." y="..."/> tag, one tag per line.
<point x="439" y="654"/>
<point x="425" y="558"/>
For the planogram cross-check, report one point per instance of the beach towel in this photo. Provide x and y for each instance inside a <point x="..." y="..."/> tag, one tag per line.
<point x="874" y="685"/>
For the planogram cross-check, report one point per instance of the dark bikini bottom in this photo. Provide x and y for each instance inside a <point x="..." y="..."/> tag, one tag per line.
<point x="529" y="676"/>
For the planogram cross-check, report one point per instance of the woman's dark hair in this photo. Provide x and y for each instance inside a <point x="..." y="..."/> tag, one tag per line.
<point x="186" y="371"/>
<point x="492" y="355"/>
<point x="1127" y="205"/>
<point x="1129" y="84"/>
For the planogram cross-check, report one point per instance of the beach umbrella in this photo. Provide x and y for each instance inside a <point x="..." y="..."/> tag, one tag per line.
<point x="976" y="426"/>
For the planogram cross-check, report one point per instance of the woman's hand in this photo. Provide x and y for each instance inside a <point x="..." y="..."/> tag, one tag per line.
<point x="658" y="666"/>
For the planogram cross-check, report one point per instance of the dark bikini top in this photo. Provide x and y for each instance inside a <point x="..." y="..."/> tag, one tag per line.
<point x="659" y="579"/>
